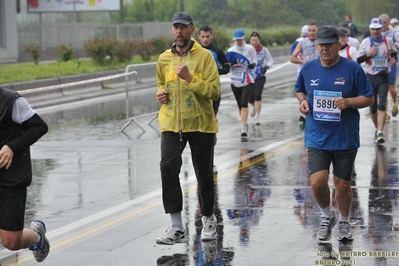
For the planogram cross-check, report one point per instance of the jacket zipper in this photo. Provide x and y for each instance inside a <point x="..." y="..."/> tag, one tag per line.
<point x="179" y="105"/>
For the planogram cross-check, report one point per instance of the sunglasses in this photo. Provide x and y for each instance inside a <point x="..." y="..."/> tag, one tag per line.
<point x="376" y="29"/>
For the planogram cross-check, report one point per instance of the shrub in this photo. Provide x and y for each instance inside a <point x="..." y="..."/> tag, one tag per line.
<point x="35" y="52"/>
<point x="100" y="50"/>
<point x="124" y="51"/>
<point x="160" y="44"/>
<point x="144" y="49"/>
<point x="65" y="53"/>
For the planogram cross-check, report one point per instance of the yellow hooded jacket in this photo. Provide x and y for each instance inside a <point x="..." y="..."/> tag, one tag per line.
<point x="189" y="108"/>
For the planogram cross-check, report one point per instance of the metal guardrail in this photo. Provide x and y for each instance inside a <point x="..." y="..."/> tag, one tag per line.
<point x="140" y="95"/>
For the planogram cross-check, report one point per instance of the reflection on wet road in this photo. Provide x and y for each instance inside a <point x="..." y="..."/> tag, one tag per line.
<point x="98" y="191"/>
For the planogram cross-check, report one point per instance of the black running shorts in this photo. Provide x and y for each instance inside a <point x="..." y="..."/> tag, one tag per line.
<point x="12" y="208"/>
<point x="342" y="161"/>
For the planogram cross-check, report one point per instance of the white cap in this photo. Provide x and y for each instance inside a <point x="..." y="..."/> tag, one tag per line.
<point x="394" y="20"/>
<point x="304" y="31"/>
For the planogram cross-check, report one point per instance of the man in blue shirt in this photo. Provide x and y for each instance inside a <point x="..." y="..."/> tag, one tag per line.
<point x="330" y="90"/>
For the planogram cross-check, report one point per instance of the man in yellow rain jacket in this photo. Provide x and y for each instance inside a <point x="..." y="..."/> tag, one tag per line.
<point x="188" y="82"/>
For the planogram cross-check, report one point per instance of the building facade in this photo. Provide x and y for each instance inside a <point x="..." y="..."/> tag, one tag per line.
<point x="8" y="32"/>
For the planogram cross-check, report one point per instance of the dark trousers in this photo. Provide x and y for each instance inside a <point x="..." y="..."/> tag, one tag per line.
<point x="380" y="83"/>
<point x="242" y="94"/>
<point x="172" y="147"/>
<point x="258" y="90"/>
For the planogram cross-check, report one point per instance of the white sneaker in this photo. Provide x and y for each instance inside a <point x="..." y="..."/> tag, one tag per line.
<point x="172" y="236"/>
<point x="257" y="122"/>
<point x="209" y="229"/>
<point x="40" y="251"/>
<point x="244" y="131"/>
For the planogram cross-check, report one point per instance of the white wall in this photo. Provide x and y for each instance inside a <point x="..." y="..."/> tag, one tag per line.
<point x="8" y="24"/>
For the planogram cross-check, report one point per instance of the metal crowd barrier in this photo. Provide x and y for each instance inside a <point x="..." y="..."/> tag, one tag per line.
<point x="140" y="95"/>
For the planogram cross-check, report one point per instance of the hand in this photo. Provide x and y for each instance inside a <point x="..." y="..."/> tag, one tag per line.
<point x="234" y="61"/>
<point x="162" y="97"/>
<point x="264" y="69"/>
<point x="341" y="103"/>
<point x="6" y="155"/>
<point x="372" y="52"/>
<point x="304" y="107"/>
<point x="183" y="72"/>
<point x="251" y="66"/>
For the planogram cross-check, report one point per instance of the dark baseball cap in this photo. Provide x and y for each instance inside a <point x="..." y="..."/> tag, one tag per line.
<point x="343" y="31"/>
<point x="327" y="34"/>
<point x="182" y="18"/>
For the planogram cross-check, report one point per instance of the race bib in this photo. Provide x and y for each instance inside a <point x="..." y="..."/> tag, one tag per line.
<point x="379" y="62"/>
<point x="323" y="106"/>
<point x="237" y="74"/>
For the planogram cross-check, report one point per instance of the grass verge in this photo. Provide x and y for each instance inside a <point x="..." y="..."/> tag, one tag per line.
<point x="29" y="71"/>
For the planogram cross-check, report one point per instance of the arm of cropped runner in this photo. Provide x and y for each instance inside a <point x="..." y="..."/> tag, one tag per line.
<point x="34" y="129"/>
<point x="225" y="66"/>
<point x="294" y="59"/>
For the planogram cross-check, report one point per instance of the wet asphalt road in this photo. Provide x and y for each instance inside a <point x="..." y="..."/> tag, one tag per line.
<point x="98" y="191"/>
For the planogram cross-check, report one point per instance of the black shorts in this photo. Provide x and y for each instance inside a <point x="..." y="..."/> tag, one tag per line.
<point x="12" y="208"/>
<point x="342" y="162"/>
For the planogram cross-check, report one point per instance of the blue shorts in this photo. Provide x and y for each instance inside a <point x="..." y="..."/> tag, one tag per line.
<point x="342" y="162"/>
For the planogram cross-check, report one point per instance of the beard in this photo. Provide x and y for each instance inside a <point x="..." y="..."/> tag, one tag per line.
<point x="182" y="43"/>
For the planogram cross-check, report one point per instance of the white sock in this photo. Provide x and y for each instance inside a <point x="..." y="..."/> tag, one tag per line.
<point x="176" y="220"/>
<point x="326" y="212"/>
<point x="343" y="218"/>
<point x="256" y="115"/>
<point x="379" y="131"/>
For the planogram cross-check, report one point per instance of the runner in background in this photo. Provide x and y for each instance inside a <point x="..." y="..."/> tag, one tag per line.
<point x="264" y="62"/>
<point x="242" y="59"/>
<point x="346" y="50"/>
<point x="304" y="34"/>
<point x="379" y="53"/>
<point x="205" y="37"/>
<point x="387" y="31"/>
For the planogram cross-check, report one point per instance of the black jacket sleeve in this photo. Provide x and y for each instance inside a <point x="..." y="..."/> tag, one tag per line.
<point x="32" y="130"/>
<point x="362" y="58"/>
<point x="225" y="66"/>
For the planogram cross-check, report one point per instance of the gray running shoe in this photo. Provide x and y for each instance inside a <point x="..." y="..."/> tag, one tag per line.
<point x="42" y="249"/>
<point x="344" y="231"/>
<point x="380" y="138"/>
<point x="172" y="236"/>
<point x="209" y="229"/>
<point x="326" y="225"/>
<point x="395" y="109"/>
